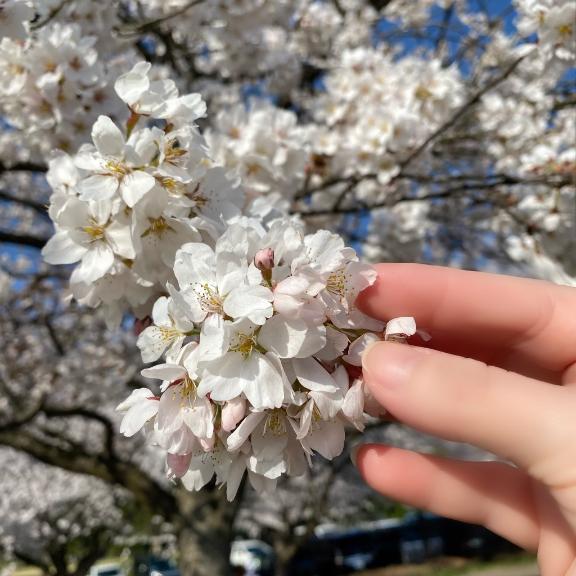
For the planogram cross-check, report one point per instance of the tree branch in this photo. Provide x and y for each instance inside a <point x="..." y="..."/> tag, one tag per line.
<point x="461" y="112"/>
<point x="151" y="24"/>
<point x="36" y="206"/>
<point x="23" y="167"/>
<point x="23" y="239"/>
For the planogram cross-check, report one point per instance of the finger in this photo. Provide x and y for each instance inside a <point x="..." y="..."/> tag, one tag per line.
<point x="491" y="494"/>
<point x="467" y="401"/>
<point x="557" y="546"/>
<point x="515" y="323"/>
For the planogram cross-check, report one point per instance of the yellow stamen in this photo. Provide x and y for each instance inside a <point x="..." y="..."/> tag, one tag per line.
<point x="117" y="169"/>
<point x="209" y="298"/>
<point x="337" y="282"/>
<point x="158" y="227"/>
<point x="94" y="230"/>
<point x="422" y="93"/>
<point x="244" y="344"/>
<point x="276" y="422"/>
<point x="565" y="30"/>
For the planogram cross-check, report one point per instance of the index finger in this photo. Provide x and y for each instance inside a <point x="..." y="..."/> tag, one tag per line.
<point x="516" y="323"/>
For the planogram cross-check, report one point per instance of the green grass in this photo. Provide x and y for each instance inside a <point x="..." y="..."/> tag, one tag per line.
<point x="476" y="565"/>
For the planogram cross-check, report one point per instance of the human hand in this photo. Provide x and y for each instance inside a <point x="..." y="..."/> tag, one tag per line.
<point x="501" y="376"/>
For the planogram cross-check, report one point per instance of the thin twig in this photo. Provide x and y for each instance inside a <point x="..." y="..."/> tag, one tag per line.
<point x="36" y="206"/>
<point x="461" y="111"/>
<point x="151" y="24"/>
<point x="50" y="16"/>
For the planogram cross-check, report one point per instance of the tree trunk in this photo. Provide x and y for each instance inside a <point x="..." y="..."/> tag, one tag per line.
<point x="284" y="549"/>
<point x="204" y="529"/>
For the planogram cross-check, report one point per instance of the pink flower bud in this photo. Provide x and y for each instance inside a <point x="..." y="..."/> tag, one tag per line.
<point x="178" y="463"/>
<point x="264" y="259"/>
<point x="232" y="413"/>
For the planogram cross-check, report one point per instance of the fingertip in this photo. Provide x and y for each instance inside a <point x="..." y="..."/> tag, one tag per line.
<point x="365" y="456"/>
<point x="387" y="296"/>
<point x="388" y="366"/>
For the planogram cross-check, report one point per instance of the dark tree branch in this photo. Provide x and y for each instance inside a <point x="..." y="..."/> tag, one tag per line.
<point x="460" y="113"/>
<point x="50" y="16"/>
<point x="22" y="239"/>
<point x="151" y="24"/>
<point x="23" y="167"/>
<point x="36" y="206"/>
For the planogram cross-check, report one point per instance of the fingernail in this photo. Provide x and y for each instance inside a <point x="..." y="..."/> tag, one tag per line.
<point x="389" y="364"/>
<point x="354" y="453"/>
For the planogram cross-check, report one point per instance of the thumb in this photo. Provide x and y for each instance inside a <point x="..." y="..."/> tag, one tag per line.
<point x="464" y="400"/>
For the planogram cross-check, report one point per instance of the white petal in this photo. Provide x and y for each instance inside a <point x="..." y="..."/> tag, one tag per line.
<point x="312" y="375"/>
<point x="133" y="84"/>
<point x="328" y="439"/>
<point x="161" y="312"/>
<point x="195" y="263"/>
<point x="353" y="405"/>
<point x="170" y="410"/>
<point x="230" y="270"/>
<point x="263" y="384"/>
<point x="168" y="372"/>
<point x="152" y="343"/>
<point x="199" y="417"/>
<point x="107" y="137"/>
<point x="402" y="327"/>
<point x="119" y="235"/>
<point x="235" y="475"/>
<point x="223" y="379"/>
<point x="95" y="263"/>
<point x="197" y="478"/>
<point x="137" y="396"/>
<point x="243" y="431"/>
<point x="214" y="338"/>
<point x="137" y="416"/>
<point x="357" y="348"/>
<point x="135" y="186"/>
<point x="252" y="302"/>
<point x="97" y="187"/>
<point x="292" y="338"/>
<point x="61" y="249"/>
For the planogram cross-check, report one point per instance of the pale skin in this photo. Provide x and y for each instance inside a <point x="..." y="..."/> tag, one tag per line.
<point x="499" y="373"/>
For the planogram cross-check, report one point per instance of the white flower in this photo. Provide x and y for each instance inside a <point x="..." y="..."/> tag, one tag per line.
<point x="399" y="329"/>
<point x="140" y="407"/>
<point x="158" y="98"/>
<point x="116" y="166"/>
<point x="87" y="233"/>
<point x="243" y="369"/>
<point x="170" y="328"/>
<point x="14" y="17"/>
<point x="220" y="282"/>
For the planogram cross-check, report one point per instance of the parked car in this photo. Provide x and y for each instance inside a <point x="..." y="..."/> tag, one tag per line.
<point x="110" y="569"/>
<point x="254" y="556"/>
<point x="154" y="566"/>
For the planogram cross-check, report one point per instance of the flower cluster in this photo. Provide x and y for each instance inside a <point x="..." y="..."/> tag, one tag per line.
<point x="555" y="23"/>
<point x="376" y="109"/>
<point x="53" y="87"/>
<point x="263" y="344"/>
<point x="123" y="205"/>
<point x="14" y="18"/>
<point x="263" y="146"/>
<point x="257" y="321"/>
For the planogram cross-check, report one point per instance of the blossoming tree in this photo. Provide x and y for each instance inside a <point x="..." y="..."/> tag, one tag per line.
<point x="207" y="164"/>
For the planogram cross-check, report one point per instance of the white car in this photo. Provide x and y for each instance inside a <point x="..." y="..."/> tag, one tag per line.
<point x="111" y="569"/>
